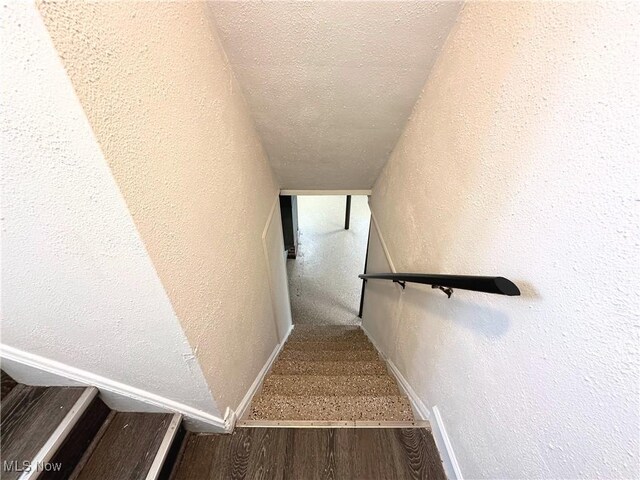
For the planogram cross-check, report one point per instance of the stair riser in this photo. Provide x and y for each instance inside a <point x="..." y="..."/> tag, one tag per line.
<point x="7" y="384"/>
<point x="301" y="385"/>
<point x="347" y="336"/>
<point x="335" y="355"/>
<point x="328" y="346"/>
<point x="78" y="441"/>
<point x="286" y="367"/>
<point x="392" y="408"/>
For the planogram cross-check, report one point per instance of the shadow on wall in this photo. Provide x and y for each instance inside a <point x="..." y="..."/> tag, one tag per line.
<point x="341" y="231"/>
<point x="527" y="290"/>
<point x="474" y="316"/>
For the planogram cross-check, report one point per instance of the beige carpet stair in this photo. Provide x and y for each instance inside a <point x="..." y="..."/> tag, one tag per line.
<point x="328" y="367"/>
<point x="355" y="345"/>
<point x="332" y="385"/>
<point x="363" y="408"/>
<point x="329" y="373"/>
<point x="332" y="355"/>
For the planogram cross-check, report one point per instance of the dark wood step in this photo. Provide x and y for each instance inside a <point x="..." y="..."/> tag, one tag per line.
<point x="7" y="384"/>
<point x="77" y="441"/>
<point x="29" y="417"/>
<point x="308" y="453"/>
<point x="127" y="447"/>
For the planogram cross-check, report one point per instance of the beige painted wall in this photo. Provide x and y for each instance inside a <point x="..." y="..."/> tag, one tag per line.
<point x="175" y="130"/>
<point x="275" y="255"/>
<point x="521" y="159"/>
<point x="82" y="303"/>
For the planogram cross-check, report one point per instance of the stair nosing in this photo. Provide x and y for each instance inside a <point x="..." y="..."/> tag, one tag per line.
<point x="164" y="447"/>
<point x="92" y="446"/>
<point x="60" y="434"/>
<point x="395" y="424"/>
<point x="136" y="446"/>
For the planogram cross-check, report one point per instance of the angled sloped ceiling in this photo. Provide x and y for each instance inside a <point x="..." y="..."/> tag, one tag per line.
<point x="330" y="85"/>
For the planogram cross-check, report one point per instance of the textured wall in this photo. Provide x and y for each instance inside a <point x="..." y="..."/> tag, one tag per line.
<point x="77" y="284"/>
<point x="175" y="130"/>
<point x="330" y="84"/>
<point x="273" y="241"/>
<point x="521" y="159"/>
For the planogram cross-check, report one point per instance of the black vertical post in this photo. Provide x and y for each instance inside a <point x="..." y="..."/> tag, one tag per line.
<point x="289" y="214"/>
<point x="364" y="282"/>
<point x="347" y="214"/>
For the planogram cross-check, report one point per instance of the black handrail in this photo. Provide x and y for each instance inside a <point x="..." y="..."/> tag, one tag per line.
<point x="446" y="283"/>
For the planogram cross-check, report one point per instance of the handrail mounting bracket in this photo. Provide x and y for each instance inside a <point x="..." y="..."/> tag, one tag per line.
<point x="447" y="290"/>
<point x="402" y="283"/>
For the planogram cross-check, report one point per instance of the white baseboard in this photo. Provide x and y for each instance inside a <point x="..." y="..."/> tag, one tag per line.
<point x="449" y="461"/>
<point x="255" y="386"/>
<point x="33" y="369"/>
<point x="448" y="457"/>
<point x="419" y="408"/>
<point x="385" y="249"/>
<point x="420" y="411"/>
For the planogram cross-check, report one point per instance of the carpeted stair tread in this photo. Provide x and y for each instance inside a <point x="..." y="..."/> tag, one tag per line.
<point x="328" y="355"/>
<point x="330" y="345"/>
<point x="355" y="367"/>
<point x="330" y="385"/>
<point x="314" y="332"/>
<point x="315" y="408"/>
<point x="330" y="373"/>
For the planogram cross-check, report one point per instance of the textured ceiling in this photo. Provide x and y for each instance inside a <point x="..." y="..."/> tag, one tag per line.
<point x="330" y="84"/>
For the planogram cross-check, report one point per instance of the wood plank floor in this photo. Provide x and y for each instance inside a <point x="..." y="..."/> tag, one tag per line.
<point x="29" y="417"/>
<point x="74" y="447"/>
<point x="7" y="384"/>
<point x="309" y="453"/>
<point x="127" y="447"/>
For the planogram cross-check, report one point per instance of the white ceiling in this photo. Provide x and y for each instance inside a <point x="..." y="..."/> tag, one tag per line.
<point x="331" y="84"/>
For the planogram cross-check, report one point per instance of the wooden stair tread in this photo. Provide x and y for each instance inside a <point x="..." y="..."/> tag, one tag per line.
<point x="127" y="447"/>
<point x="29" y="417"/>
<point x="308" y="453"/>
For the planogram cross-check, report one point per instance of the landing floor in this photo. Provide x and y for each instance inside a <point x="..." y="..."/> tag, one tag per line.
<point x="310" y="453"/>
<point x="323" y="281"/>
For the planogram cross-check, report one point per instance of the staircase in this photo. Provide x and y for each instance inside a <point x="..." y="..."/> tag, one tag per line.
<point x="328" y="377"/>
<point x="69" y="433"/>
<point x="329" y="374"/>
